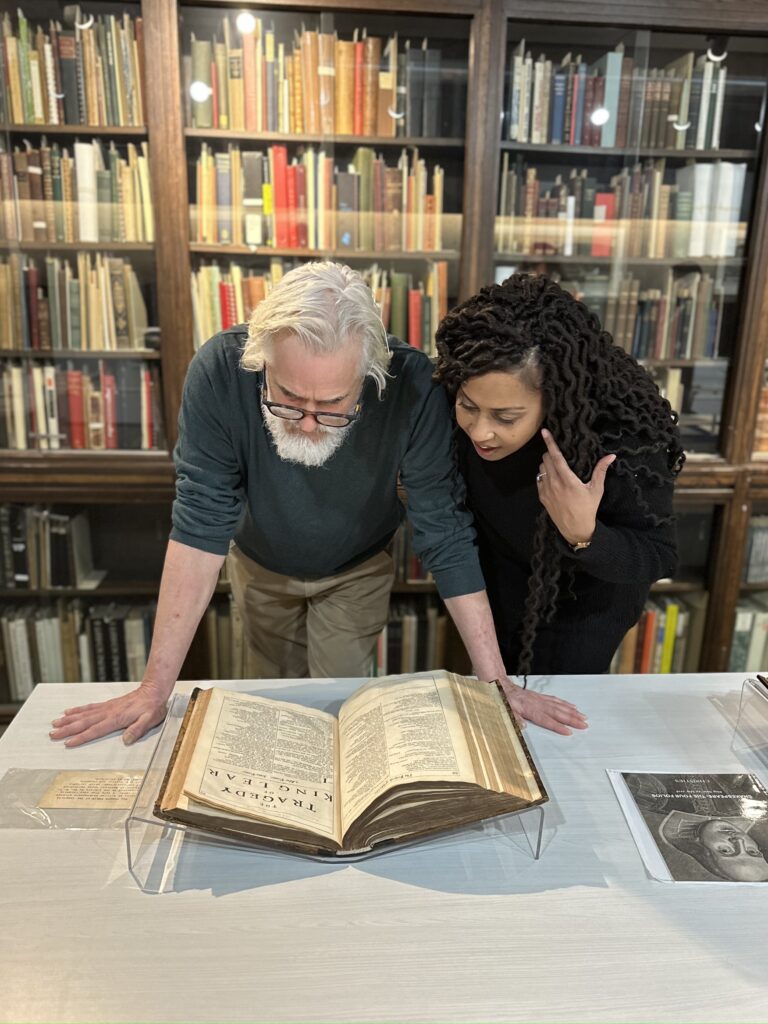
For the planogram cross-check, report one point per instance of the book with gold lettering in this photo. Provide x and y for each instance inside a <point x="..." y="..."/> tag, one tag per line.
<point x="406" y="758"/>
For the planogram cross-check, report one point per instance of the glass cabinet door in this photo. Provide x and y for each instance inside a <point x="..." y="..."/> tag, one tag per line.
<point x="628" y="164"/>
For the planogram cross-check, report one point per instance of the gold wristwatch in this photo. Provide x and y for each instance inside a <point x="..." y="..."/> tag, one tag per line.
<point x="580" y="545"/>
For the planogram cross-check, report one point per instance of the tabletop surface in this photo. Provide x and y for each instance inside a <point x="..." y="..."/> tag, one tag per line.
<point x="471" y="929"/>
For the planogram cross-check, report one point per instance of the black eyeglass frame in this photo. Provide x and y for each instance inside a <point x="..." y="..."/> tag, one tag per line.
<point x="324" y="419"/>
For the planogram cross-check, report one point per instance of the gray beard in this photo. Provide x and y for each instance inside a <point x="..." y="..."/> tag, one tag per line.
<point x="295" y="446"/>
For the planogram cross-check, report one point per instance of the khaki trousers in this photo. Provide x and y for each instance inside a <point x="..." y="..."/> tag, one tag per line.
<point x="297" y="628"/>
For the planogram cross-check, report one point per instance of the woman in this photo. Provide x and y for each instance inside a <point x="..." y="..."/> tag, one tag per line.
<point x="569" y="454"/>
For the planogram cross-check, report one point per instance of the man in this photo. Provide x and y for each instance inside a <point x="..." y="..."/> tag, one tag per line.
<point x="291" y="441"/>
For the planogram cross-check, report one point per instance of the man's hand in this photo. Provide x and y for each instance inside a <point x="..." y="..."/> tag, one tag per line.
<point x="541" y="709"/>
<point x="135" y="712"/>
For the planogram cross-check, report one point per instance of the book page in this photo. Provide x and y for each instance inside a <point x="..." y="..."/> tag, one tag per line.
<point x="267" y="759"/>
<point x="395" y="731"/>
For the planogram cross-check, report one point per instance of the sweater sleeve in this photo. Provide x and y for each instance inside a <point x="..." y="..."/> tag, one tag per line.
<point x="443" y="534"/>
<point x="209" y="494"/>
<point x="625" y="547"/>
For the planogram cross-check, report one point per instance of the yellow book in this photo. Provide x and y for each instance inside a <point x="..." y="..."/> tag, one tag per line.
<point x="137" y="112"/>
<point x="148" y="215"/>
<point x="670" y="632"/>
<point x="118" y="73"/>
<point x="14" y="76"/>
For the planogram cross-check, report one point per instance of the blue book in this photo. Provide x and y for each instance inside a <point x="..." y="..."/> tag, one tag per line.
<point x="557" y="120"/>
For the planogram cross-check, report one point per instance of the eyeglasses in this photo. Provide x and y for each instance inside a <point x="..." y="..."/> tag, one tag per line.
<point x="292" y="412"/>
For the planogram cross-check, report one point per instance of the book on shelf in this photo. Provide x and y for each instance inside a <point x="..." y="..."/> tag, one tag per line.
<point x="317" y="83"/>
<point x="667" y="637"/>
<point x="70" y="641"/>
<point x="50" y="307"/>
<point x="69" y="72"/>
<point x="93" y="406"/>
<point x="642" y="211"/>
<point x="93" y="194"/>
<point x="309" y="201"/>
<point x="406" y="758"/>
<point x="553" y="100"/>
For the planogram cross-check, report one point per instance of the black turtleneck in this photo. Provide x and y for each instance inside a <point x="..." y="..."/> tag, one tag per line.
<point x="612" y="576"/>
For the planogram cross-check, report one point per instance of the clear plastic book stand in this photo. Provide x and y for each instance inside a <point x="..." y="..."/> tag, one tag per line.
<point x="751" y="733"/>
<point x="158" y="851"/>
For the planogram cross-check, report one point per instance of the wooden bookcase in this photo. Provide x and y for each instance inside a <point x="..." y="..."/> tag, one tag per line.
<point x="728" y="482"/>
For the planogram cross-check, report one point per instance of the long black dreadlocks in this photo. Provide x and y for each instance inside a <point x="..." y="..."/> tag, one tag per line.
<point x="598" y="400"/>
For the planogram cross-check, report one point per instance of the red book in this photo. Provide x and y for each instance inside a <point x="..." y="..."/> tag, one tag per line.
<point x="249" y="82"/>
<point x="605" y="214"/>
<point x="147" y="421"/>
<point x="34" y="320"/>
<point x="225" y="306"/>
<point x="290" y="189"/>
<point x="415" y="298"/>
<point x="109" y="398"/>
<point x="75" y="404"/>
<point x="357" y="119"/>
<point x="649" y="641"/>
<point x="301" y="206"/>
<point x="280" y="195"/>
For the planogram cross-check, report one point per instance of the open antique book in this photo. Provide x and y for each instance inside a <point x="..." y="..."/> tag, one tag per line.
<point x="406" y="757"/>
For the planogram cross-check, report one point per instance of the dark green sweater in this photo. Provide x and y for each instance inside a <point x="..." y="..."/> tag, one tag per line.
<point x="313" y="522"/>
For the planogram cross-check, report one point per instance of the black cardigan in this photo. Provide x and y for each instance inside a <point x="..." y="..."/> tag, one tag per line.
<point x="612" y="577"/>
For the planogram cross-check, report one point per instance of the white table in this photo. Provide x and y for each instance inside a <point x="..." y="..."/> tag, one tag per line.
<point x="469" y="930"/>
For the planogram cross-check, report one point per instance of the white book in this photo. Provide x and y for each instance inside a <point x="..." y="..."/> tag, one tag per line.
<point x="526" y="90"/>
<point x="24" y="679"/>
<point x="84" y="655"/>
<point x="538" y="89"/>
<point x="50" y="81"/>
<point x="85" y="190"/>
<point x="135" y="646"/>
<point x="518" y="71"/>
<point x="696" y="178"/>
<point x="18" y="436"/>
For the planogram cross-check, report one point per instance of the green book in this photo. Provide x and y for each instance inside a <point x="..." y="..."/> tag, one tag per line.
<point x="398" y="319"/>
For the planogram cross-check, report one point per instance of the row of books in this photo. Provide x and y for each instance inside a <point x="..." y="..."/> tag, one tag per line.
<point x="413" y="640"/>
<point x="246" y="79"/>
<point x="261" y="199"/>
<point x="750" y="633"/>
<point x="67" y="641"/>
<point x="93" y="195"/>
<point x="89" y="72"/>
<point x="638" y="214"/>
<point x="410" y="308"/>
<point x="95" y="305"/>
<point x="98" y="406"/>
<point x="666" y="638"/>
<point x="756" y="558"/>
<point x="614" y="102"/>
<point x="44" y="548"/>
<point x="680" y="320"/>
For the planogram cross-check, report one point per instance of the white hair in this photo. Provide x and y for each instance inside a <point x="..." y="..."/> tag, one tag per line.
<point x="326" y="306"/>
